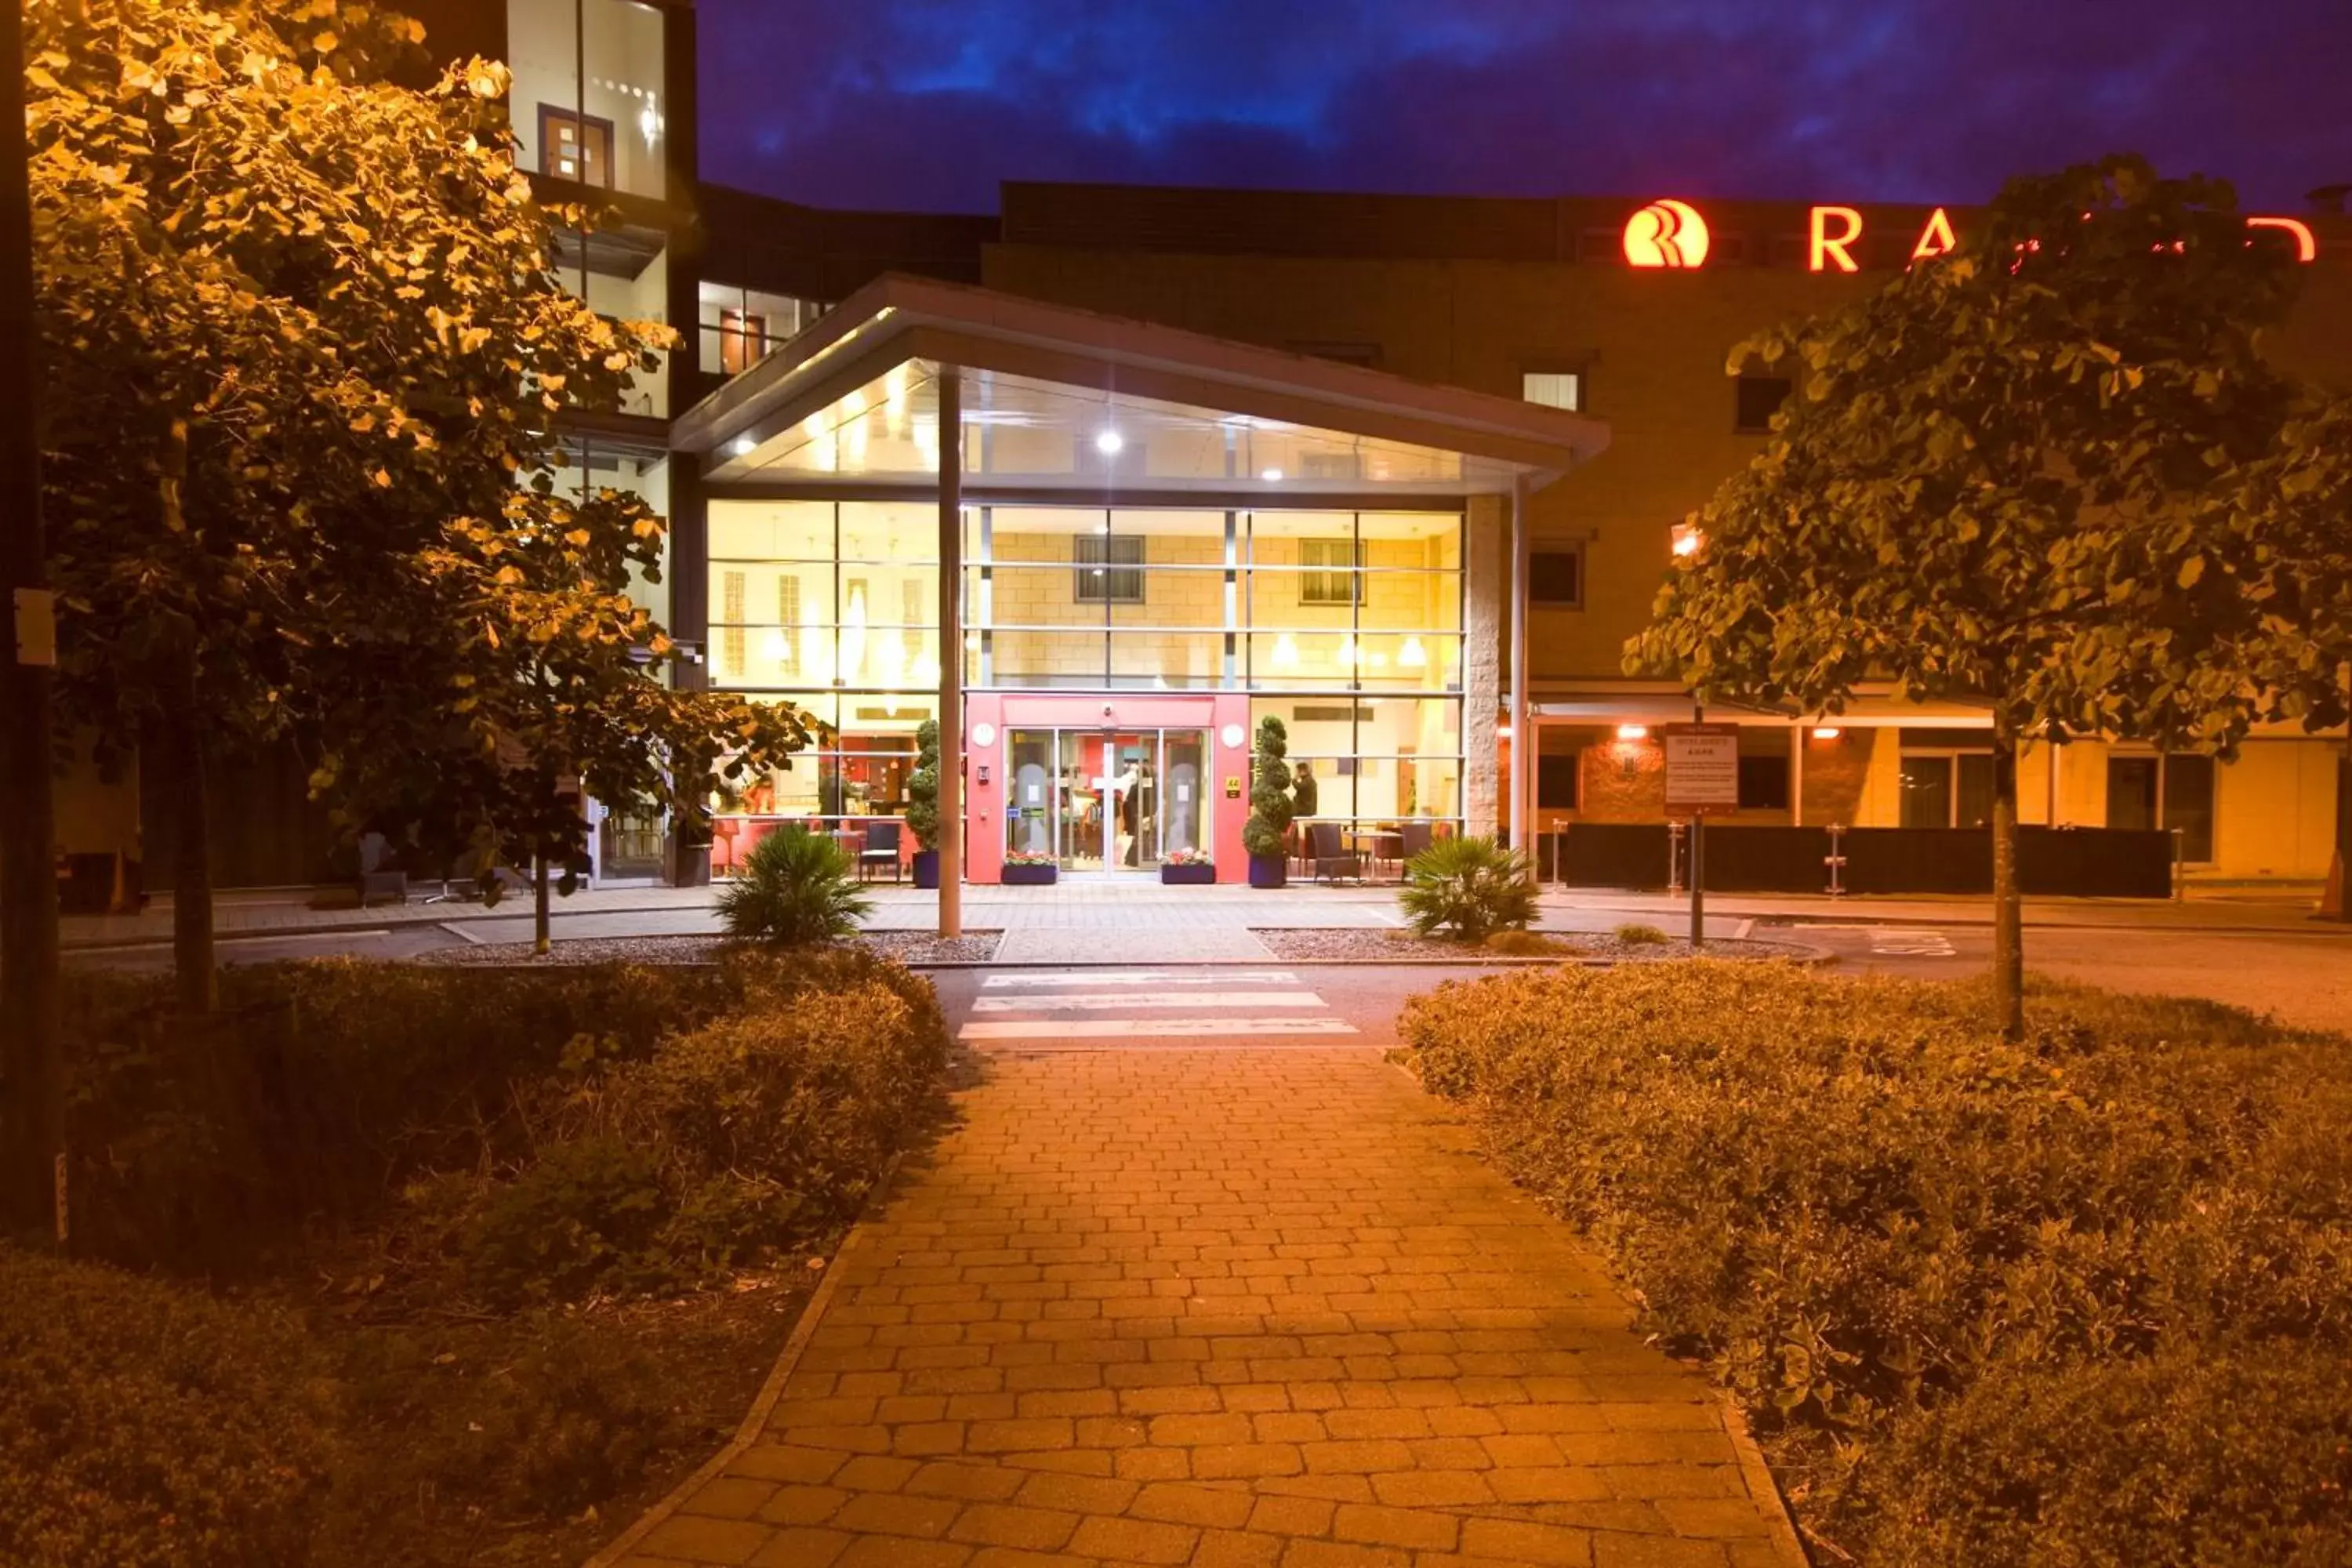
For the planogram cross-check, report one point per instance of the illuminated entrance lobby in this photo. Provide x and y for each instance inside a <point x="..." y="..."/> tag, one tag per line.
<point x="1101" y="551"/>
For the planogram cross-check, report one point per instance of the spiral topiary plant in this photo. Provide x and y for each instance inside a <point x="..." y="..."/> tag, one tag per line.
<point x="1270" y="804"/>
<point x="923" y="787"/>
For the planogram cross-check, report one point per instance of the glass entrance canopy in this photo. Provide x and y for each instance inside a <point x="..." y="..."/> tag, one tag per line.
<point x="1020" y="431"/>
<point x="1056" y="399"/>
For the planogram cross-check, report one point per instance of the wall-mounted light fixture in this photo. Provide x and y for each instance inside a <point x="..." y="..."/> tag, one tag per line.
<point x="1827" y="732"/>
<point x="1633" y="732"/>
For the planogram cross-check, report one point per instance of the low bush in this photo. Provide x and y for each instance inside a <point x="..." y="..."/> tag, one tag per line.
<point x="516" y="1140"/>
<point x="1861" y="1204"/>
<point x="2237" y="1457"/>
<point x="319" y="1089"/>
<point x="143" y="1424"/>
<point x="1468" y="888"/>
<point x="796" y="887"/>
<point x="730" y="1140"/>
<point x="1635" y="934"/>
<point x="547" y="1419"/>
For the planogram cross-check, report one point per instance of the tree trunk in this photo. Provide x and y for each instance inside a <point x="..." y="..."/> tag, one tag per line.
<point x="538" y="931"/>
<point x="2008" y="909"/>
<point x="191" y="861"/>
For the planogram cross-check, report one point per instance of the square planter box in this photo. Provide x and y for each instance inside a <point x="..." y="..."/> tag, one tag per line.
<point x="1203" y="875"/>
<point x="1268" y="871"/>
<point x="1031" y="876"/>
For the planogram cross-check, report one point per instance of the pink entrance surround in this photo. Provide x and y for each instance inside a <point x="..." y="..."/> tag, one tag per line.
<point x="984" y="766"/>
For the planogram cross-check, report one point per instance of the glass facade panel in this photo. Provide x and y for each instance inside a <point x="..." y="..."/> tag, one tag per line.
<point x="621" y="87"/>
<point x="737" y="328"/>
<point x="1376" y="761"/>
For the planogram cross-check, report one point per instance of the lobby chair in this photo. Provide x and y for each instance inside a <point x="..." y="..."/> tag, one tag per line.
<point x="1331" y="860"/>
<point x="1414" y="836"/>
<point x="881" y="847"/>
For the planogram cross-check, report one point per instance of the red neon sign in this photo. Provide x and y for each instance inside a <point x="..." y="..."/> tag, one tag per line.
<point x="1666" y="234"/>
<point x="1830" y="249"/>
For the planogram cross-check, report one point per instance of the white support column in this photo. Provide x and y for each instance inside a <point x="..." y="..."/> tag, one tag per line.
<point x="1523" y="729"/>
<point x="1485" y="629"/>
<point x="950" y="445"/>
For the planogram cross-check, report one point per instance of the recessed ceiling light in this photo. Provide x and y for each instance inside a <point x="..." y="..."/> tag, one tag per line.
<point x="744" y="446"/>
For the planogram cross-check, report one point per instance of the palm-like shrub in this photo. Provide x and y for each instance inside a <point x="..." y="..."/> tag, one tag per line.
<point x="1468" y="888"/>
<point x="796" y="887"/>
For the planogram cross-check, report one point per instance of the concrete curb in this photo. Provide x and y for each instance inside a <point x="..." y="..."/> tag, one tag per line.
<point x="755" y="1420"/>
<point x="2314" y="928"/>
<point x="1763" y="1488"/>
<point x="1798" y="953"/>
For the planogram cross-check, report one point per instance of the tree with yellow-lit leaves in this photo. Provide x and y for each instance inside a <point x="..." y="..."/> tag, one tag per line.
<point x="309" y="362"/>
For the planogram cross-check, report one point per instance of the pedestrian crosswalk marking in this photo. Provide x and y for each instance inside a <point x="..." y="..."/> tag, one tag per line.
<point x="1115" y="1029"/>
<point x="1114" y="999"/>
<point x="1140" y="977"/>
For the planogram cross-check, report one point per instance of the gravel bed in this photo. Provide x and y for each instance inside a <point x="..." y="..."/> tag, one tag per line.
<point x="906" y="946"/>
<point x="1374" y="944"/>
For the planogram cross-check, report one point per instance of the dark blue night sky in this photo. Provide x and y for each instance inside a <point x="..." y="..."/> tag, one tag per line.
<point x="927" y="104"/>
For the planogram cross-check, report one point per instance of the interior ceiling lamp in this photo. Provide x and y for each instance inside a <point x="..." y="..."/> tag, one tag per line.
<point x="1285" y="652"/>
<point x="1413" y="656"/>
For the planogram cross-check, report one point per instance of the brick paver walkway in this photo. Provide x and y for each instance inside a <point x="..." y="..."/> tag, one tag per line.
<point x="1228" y="1308"/>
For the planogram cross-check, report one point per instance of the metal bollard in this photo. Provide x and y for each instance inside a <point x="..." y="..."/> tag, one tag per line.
<point x="1835" y="860"/>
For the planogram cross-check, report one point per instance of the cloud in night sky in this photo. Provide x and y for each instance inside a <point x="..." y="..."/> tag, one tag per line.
<point x="927" y="104"/>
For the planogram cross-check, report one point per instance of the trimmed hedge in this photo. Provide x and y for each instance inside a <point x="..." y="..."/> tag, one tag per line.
<point x="1867" y="1211"/>
<point x="143" y="1424"/>
<point x="455" y="1138"/>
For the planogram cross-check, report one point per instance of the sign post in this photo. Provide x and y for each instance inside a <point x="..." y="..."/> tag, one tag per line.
<point x="1702" y="781"/>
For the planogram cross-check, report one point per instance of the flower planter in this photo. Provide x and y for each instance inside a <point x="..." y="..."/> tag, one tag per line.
<point x="1199" y="874"/>
<point x="1031" y="876"/>
<point x="1269" y="871"/>
<point x="926" y="867"/>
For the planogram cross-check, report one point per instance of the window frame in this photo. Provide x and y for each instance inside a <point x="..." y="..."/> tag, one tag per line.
<point x="1122" y="581"/>
<point x="1575" y="550"/>
<point x="1739" y="383"/>
<point x="1531" y="369"/>
<point x="1315" y="580"/>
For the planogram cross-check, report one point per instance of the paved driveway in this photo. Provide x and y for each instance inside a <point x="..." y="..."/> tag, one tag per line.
<point x="1220" y="1307"/>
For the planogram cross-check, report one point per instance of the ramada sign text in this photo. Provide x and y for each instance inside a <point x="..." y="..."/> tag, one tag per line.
<point x="1670" y="233"/>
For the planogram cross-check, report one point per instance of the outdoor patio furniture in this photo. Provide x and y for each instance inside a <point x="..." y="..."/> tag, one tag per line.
<point x="1331" y="860"/>
<point x="1377" y="845"/>
<point x="1413" y="837"/>
<point x="881" y="847"/>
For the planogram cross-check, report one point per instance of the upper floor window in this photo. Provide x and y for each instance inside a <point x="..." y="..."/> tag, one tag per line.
<point x="740" y="327"/>
<point x="1757" y="399"/>
<point x="1556" y="578"/>
<point x="590" y="95"/>
<point x="1110" y="568"/>
<point x="1330" y="577"/>
<point x="1554" y="389"/>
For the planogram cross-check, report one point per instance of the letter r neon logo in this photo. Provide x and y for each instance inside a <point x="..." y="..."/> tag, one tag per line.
<point x="1826" y="248"/>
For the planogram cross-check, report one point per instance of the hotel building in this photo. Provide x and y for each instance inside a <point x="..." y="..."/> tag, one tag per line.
<point x="1105" y="479"/>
